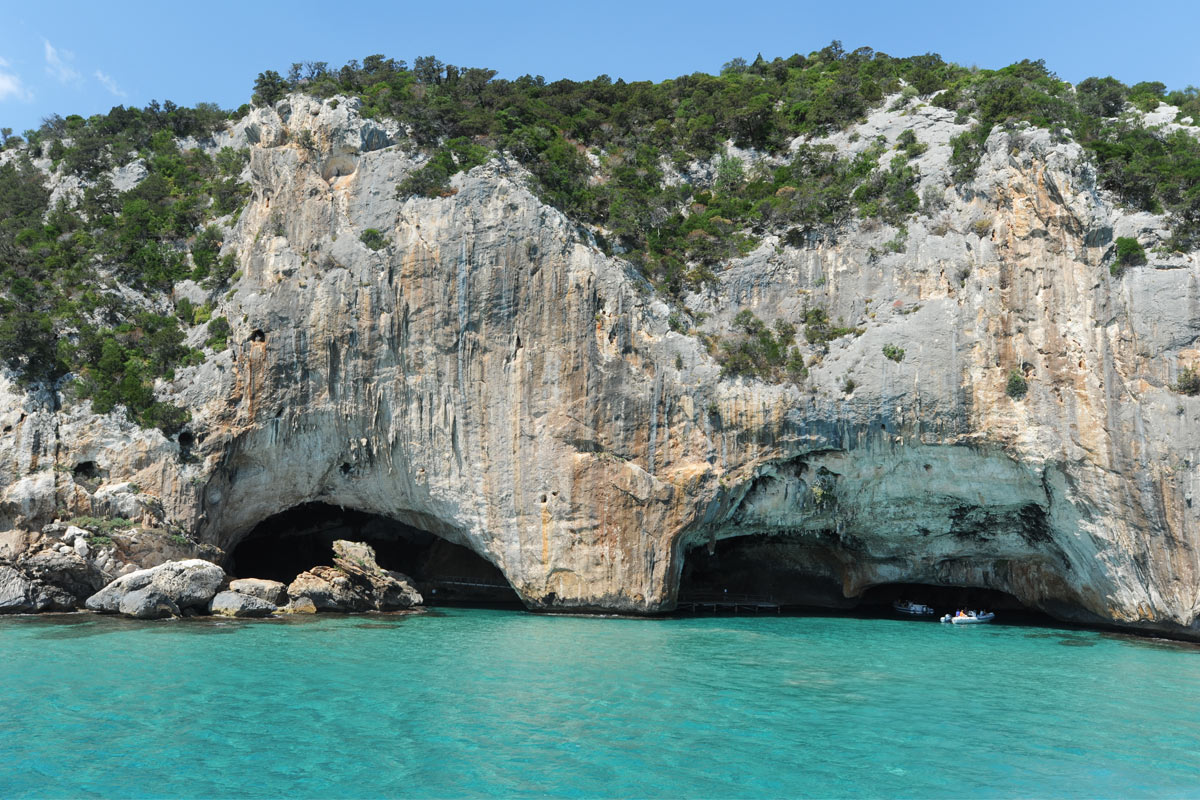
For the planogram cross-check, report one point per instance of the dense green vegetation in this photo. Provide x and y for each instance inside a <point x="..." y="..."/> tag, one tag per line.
<point x="1148" y="169"/>
<point x="62" y="311"/>
<point x="636" y="132"/>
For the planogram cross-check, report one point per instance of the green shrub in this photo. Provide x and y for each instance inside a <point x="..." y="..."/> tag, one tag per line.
<point x="1017" y="386"/>
<point x="894" y="353"/>
<point x="1129" y="254"/>
<point x="759" y="351"/>
<point x="373" y="239"/>
<point x="101" y="528"/>
<point x="818" y="329"/>
<point x="1188" y="382"/>
<point x="218" y="334"/>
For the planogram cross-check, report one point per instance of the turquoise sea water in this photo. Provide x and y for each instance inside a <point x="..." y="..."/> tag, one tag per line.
<point x="479" y="703"/>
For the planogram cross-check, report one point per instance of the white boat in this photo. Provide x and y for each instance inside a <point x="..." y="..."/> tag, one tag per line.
<point x="916" y="609"/>
<point x="969" y="618"/>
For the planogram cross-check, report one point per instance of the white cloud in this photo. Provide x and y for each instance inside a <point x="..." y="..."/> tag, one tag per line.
<point x="56" y="65"/>
<point x="109" y="83"/>
<point x="11" y="86"/>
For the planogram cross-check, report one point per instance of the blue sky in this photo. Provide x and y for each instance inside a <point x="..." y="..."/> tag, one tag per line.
<point x="84" y="58"/>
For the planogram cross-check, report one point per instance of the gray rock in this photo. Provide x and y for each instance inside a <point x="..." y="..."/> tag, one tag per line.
<point x="67" y="570"/>
<point x="16" y="592"/>
<point x="149" y="602"/>
<point x="273" y="592"/>
<point x="187" y="584"/>
<point x="21" y="594"/>
<point x="236" y="604"/>
<point x="73" y="532"/>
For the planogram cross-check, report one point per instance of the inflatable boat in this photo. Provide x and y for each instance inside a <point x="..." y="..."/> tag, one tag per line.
<point x="969" y="618"/>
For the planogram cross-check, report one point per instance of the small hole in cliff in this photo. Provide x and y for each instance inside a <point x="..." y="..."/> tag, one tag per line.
<point x="258" y="336"/>
<point x="928" y="467"/>
<point x="86" y="470"/>
<point x="186" y="439"/>
<point x="279" y="412"/>
<point x="8" y="428"/>
<point x="543" y="498"/>
<point x="346" y="468"/>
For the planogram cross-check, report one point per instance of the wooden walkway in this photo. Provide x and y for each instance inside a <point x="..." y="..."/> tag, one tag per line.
<point x="728" y="604"/>
<point x="468" y="583"/>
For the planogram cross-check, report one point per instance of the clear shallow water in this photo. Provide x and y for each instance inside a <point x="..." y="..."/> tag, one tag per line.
<point x="475" y="703"/>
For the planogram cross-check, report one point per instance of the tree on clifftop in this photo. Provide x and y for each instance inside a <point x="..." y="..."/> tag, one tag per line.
<point x="269" y="87"/>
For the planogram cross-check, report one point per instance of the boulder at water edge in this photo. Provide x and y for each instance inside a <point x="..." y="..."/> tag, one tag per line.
<point x="235" y="604"/>
<point x="175" y="585"/>
<point x="273" y="592"/>
<point x="356" y="583"/>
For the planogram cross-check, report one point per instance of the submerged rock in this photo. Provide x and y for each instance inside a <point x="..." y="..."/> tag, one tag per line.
<point x="236" y="604"/>
<point x="300" y="605"/>
<point x="185" y="584"/>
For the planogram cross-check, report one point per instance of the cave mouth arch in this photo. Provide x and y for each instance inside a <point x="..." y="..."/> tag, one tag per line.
<point x="284" y="545"/>
<point x="805" y="572"/>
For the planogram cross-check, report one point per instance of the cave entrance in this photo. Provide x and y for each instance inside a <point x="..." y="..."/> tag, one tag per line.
<point x="282" y="546"/>
<point x="788" y="571"/>
<point x="805" y="571"/>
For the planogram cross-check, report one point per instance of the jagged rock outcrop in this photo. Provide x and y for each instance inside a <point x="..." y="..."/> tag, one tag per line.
<point x="492" y="377"/>
<point x="355" y="583"/>
<point x="165" y="590"/>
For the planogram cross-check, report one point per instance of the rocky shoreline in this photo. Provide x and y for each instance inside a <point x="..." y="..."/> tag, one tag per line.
<point x="63" y="578"/>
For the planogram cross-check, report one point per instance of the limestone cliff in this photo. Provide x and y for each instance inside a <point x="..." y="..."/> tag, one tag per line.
<point x="491" y="376"/>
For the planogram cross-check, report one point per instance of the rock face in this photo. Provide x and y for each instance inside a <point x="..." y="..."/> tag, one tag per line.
<point x="165" y="590"/>
<point x="490" y="376"/>
<point x="356" y="583"/>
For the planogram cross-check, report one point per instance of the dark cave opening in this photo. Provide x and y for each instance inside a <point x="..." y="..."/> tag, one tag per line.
<point x="286" y="544"/>
<point x="803" y="572"/>
<point x="793" y="572"/>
